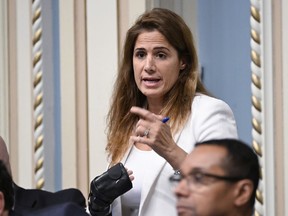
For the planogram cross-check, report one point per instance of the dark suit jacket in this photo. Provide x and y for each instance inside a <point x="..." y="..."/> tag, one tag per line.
<point x="63" y="209"/>
<point x="12" y="213"/>
<point x="35" y="199"/>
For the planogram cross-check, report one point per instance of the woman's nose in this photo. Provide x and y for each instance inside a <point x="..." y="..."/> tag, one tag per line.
<point x="149" y="64"/>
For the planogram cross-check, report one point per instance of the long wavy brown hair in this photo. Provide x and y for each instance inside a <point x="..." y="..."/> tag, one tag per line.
<point x="126" y="94"/>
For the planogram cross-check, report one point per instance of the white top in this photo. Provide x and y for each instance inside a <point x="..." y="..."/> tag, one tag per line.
<point x="210" y="119"/>
<point x="131" y="199"/>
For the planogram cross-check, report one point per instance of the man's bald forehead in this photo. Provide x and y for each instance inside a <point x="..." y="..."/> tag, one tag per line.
<point x="4" y="156"/>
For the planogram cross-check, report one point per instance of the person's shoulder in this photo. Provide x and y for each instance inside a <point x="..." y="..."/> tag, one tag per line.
<point x="28" y="199"/>
<point x="63" y="209"/>
<point x="212" y="118"/>
<point x="2" y="141"/>
<point x="206" y="102"/>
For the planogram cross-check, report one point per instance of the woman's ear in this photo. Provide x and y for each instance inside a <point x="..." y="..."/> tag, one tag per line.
<point x="182" y="64"/>
<point x="182" y="67"/>
<point x="244" y="192"/>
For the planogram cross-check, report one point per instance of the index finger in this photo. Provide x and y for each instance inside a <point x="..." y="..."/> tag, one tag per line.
<point x="143" y="113"/>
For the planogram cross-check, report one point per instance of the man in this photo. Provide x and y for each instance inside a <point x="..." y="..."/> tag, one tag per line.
<point x="6" y="191"/>
<point x="40" y="202"/>
<point x="4" y="155"/>
<point x="219" y="177"/>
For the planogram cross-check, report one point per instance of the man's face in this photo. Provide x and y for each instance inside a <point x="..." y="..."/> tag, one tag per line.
<point x="203" y="195"/>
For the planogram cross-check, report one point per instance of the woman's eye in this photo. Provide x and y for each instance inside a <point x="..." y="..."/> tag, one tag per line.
<point x="140" y="54"/>
<point x="161" y="55"/>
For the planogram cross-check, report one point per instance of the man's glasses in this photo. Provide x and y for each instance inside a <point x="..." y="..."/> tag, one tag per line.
<point x="197" y="179"/>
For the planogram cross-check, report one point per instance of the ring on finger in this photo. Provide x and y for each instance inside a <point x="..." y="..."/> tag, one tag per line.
<point x="146" y="132"/>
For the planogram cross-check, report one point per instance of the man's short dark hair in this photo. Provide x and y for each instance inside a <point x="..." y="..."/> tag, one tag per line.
<point x="6" y="186"/>
<point x="241" y="161"/>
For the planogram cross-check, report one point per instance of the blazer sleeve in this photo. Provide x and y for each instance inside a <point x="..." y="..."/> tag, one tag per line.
<point x="213" y="119"/>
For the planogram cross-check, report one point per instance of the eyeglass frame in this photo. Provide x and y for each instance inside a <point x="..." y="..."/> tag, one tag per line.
<point x="178" y="177"/>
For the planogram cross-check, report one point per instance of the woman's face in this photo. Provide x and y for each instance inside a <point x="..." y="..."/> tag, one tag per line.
<point x="156" y="65"/>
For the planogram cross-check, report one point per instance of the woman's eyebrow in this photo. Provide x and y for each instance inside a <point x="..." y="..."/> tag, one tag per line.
<point x="161" y="48"/>
<point x="139" y="49"/>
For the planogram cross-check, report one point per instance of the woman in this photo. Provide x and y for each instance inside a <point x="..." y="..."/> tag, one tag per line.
<point x="158" y="78"/>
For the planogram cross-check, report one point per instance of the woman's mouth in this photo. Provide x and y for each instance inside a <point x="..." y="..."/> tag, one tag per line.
<point x="151" y="82"/>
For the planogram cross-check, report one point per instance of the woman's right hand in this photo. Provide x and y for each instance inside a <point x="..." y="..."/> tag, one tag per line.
<point x="130" y="173"/>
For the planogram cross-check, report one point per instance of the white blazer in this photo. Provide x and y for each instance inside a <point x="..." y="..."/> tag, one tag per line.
<point x="211" y="119"/>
